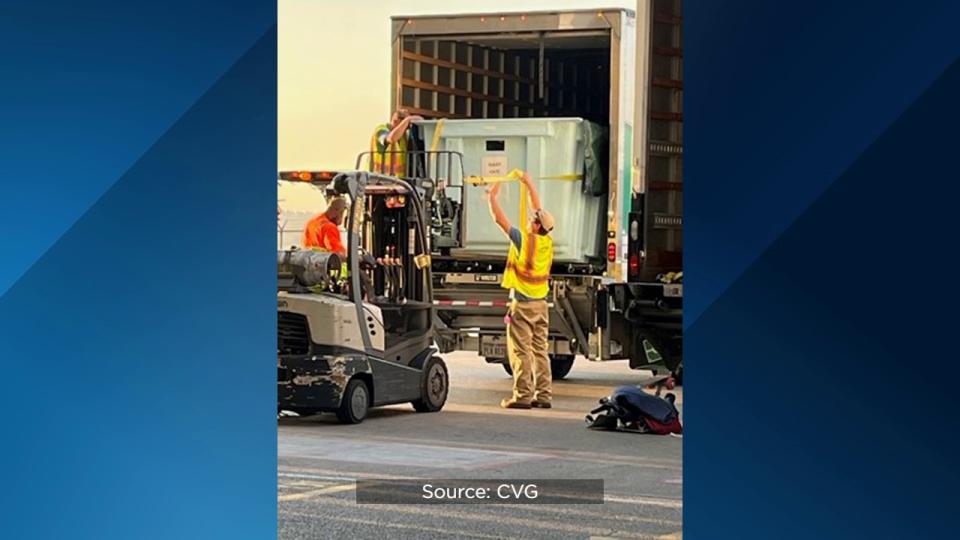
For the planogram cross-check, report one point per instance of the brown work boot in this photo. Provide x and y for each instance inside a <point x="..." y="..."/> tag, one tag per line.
<point x="509" y="403"/>
<point x="540" y="404"/>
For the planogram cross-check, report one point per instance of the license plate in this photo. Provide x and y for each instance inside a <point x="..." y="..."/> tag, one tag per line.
<point x="673" y="291"/>
<point x="493" y="349"/>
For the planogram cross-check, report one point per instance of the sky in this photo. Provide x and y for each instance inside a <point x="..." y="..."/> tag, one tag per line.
<point x="333" y="73"/>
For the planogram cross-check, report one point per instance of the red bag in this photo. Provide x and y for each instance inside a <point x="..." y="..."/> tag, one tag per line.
<point x="664" y="429"/>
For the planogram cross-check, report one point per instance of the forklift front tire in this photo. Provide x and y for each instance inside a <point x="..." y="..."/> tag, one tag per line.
<point x="434" y="386"/>
<point x="355" y="402"/>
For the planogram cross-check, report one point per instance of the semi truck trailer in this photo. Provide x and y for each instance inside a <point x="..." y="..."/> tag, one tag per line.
<point x="617" y="292"/>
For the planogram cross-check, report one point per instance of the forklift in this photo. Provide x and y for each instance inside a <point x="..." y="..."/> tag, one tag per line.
<point x="359" y="333"/>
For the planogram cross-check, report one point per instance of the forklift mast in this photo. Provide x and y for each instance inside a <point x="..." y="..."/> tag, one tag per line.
<point x="436" y="175"/>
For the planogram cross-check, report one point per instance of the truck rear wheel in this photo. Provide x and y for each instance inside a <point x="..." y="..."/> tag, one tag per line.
<point x="678" y="375"/>
<point x="560" y="366"/>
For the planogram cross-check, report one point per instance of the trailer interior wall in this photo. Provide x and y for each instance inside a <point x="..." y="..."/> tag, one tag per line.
<point x="499" y="77"/>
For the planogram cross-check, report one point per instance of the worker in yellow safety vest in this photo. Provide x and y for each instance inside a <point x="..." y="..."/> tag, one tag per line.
<point x="527" y="275"/>
<point x="388" y="144"/>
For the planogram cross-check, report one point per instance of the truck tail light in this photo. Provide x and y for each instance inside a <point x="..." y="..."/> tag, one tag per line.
<point x="634" y="264"/>
<point x="612" y="252"/>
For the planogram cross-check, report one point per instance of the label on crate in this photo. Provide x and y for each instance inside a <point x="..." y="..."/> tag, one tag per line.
<point x="495" y="166"/>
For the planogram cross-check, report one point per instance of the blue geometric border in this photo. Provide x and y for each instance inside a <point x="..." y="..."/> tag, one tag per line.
<point x="820" y="193"/>
<point x="137" y="386"/>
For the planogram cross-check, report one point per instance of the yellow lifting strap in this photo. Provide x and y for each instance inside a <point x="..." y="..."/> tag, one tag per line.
<point x="515" y="176"/>
<point x="436" y="135"/>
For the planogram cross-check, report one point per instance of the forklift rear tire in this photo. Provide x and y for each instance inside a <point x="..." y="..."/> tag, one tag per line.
<point x="355" y="403"/>
<point x="434" y="386"/>
<point x="560" y="366"/>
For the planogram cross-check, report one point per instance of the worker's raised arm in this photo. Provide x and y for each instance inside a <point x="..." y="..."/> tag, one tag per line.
<point x="534" y="196"/>
<point x="401" y="128"/>
<point x="498" y="214"/>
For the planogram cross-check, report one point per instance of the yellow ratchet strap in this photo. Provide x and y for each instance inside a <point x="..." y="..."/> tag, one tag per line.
<point x="436" y="135"/>
<point x="514" y="176"/>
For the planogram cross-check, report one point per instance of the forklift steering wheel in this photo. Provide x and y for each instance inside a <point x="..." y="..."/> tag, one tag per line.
<point x="367" y="262"/>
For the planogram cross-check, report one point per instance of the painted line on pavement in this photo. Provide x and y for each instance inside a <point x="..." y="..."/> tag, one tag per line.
<point x="317" y="477"/>
<point x="647" y="501"/>
<point x="316" y="492"/>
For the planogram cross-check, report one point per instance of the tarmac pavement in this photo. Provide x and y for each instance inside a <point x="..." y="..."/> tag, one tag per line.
<point x="320" y="460"/>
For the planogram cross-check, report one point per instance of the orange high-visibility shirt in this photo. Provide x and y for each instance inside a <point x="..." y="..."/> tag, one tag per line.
<point x="322" y="233"/>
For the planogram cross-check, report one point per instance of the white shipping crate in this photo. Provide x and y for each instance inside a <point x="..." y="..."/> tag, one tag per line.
<point x="543" y="147"/>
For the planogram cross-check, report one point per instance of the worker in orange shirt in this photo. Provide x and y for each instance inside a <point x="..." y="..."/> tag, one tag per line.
<point x="323" y="230"/>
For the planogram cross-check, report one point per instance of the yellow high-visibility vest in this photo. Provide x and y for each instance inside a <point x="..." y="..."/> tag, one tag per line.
<point x="528" y="268"/>
<point x="382" y="160"/>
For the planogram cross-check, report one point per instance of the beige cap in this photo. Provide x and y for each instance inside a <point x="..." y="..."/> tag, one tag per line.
<point x="546" y="219"/>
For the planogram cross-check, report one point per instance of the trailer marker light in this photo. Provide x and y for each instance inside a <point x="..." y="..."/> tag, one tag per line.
<point x="612" y="251"/>
<point x="304" y="175"/>
<point x="634" y="264"/>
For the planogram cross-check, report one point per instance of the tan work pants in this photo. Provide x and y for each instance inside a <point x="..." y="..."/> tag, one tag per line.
<point x="527" y="351"/>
